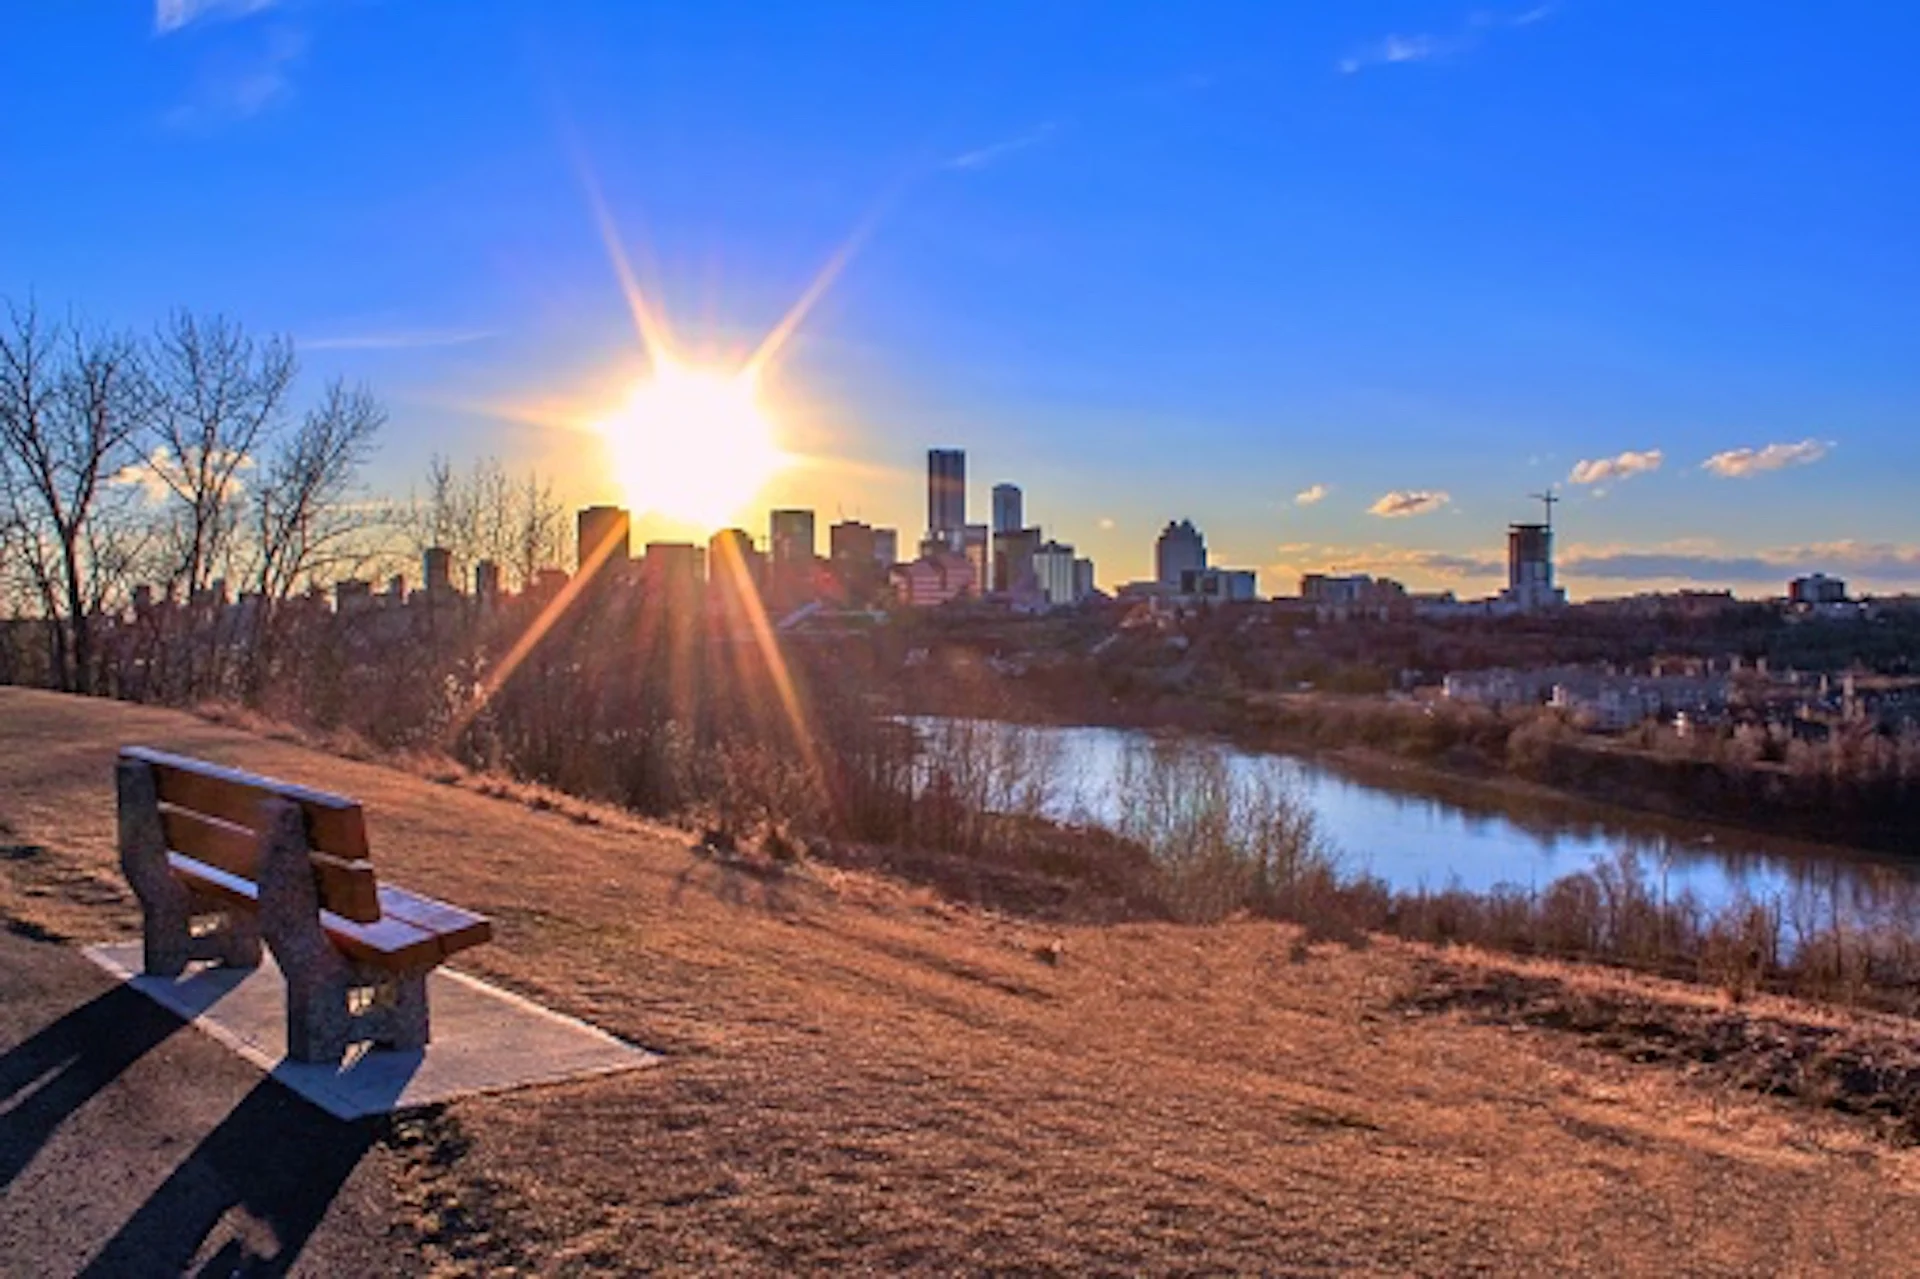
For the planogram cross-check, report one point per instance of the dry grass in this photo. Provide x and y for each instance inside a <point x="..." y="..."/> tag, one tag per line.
<point x="862" y="1074"/>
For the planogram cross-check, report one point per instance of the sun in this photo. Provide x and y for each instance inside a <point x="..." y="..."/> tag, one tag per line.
<point x="692" y="444"/>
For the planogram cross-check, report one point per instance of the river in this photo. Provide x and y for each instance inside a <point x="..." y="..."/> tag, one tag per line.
<point x="1414" y="830"/>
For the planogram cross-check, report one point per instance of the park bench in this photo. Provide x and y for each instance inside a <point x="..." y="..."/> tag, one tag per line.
<point x="221" y="859"/>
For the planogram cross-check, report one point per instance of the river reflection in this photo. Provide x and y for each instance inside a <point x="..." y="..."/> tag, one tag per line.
<point x="1416" y="831"/>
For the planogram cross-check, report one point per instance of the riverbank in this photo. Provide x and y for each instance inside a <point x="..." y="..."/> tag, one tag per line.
<point x="863" y="1074"/>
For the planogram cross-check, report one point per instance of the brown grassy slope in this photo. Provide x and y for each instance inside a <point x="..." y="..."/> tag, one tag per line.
<point x="858" y="1074"/>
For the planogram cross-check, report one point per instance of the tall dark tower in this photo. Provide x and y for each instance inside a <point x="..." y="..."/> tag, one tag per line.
<point x="946" y="494"/>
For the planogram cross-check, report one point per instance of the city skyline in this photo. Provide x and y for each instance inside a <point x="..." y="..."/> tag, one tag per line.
<point x="1328" y="302"/>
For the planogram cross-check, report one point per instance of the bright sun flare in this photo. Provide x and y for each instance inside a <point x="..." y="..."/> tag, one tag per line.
<point x="692" y="444"/>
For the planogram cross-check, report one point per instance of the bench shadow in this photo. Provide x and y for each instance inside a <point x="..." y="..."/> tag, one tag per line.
<point x="277" y="1158"/>
<point x="47" y="1078"/>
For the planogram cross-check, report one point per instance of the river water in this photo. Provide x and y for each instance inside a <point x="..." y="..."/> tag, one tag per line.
<point x="1413" y="831"/>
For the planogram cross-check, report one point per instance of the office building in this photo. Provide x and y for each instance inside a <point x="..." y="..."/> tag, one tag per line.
<point x="791" y="541"/>
<point x="486" y="582"/>
<point x="1053" y="570"/>
<point x="947" y="495"/>
<point x="932" y="580"/>
<point x="601" y="538"/>
<point x="1220" y="585"/>
<point x="1180" y="549"/>
<point x="851" y="541"/>
<point x="1013" y="560"/>
<point x="976" y="544"/>
<point x="1008" y="515"/>
<point x="1083" y="587"/>
<point x="886" y="546"/>
<point x="1816" y="588"/>
<point x="673" y="569"/>
<point x="436" y="567"/>
<point x="1530" y="587"/>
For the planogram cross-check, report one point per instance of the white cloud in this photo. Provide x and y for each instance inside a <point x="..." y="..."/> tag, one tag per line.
<point x="981" y="157"/>
<point x="396" y="340"/>
<point x="1403" y="503"/>
<point x="1399" y="49"/>
<point x="1738" y="464"/>
<point x="246" y="85"/>
<point x="171" y="15"/>
<point x="1599" y="470"/>
<point x="1312" y="494"/>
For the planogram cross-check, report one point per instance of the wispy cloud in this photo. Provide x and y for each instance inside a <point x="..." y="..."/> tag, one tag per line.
<point x="1601" y="470"/>
<point x="1312" y="494"/>
<point x="171" y="15"/>
<point x="1380" y="559"/>
<point x="397" y="340"/>
<point x="1427" y="47"/>
<point x="244" y="85"/>
<point x="981" y="157"/>
<point x="1739" y="464"/>
<point x="1885" y="562"/>
<point x="1404" y="503"/>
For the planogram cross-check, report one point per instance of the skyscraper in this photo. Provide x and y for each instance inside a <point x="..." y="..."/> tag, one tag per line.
<point x="947" y="494"/>
<point x="792" y="540"/>
<point x="1007" y="514"/>
<point x="1179" y="549"/>
<point x="602" y="537"/>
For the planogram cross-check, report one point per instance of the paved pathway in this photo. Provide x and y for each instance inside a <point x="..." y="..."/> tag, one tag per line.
<point x="133" y="1144"/>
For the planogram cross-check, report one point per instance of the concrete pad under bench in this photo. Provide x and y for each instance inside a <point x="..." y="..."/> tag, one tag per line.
<point x="484" y="1039"/>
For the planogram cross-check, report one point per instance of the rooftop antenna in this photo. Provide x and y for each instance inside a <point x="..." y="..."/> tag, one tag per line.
<point x="1549" y="497"/>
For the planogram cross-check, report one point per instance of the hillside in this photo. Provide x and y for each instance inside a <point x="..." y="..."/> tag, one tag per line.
<point x="860" y="1074"/>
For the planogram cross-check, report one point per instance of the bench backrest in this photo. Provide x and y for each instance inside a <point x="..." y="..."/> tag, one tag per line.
<point x="214" y="815"/>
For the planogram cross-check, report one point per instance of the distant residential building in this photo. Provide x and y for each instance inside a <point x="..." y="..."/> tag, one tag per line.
<point x="1815" y="589"/>
<point x="1053" y="569"/>
<point x="1220" y="585"/>
<point x="791" y="541"/>
<point x="1083" y="585"/>
<point x="947" y="494"/>
<point x="1008" y="513"/>
<point x="602" y="534"/>
<point x="1180" y="548"/>
<point x="437" y="570"/>
<point x="352" y="595"/>
<point x="935" y="579"/>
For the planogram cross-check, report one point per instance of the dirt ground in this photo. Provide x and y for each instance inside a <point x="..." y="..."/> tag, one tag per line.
<point x="860" y="1075"/>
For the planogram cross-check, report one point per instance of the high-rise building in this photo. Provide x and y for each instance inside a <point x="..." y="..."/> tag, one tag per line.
<point x="1179" y="549"/>
<point x="1530" y="585"/>
<point x="976" y="545"/>
<point x="851" y="541"/>
<point x="673" y="568"/>
<point x="1053" y="566"/>
<point x="601" y="537"/>
<point x="486" y="581"/>
<point x="437" y="570"/>
<point x="791" y="539"/>
<point x="1083" y="587"/>
<point x="1008" y="517"/>
<point x="947" y="494"/>
<point x="1013" y="560"/>
<point x="886" y="546"/>
<point x="735" y="568"/>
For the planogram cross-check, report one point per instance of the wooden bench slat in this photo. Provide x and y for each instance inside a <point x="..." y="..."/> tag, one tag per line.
<point x="456" y="929"/>
<point x="387" y="943"/>
<point x="336" y="825"/>
<point x="346" y="888"/>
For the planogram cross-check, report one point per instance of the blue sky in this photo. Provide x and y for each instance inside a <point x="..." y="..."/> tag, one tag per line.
<point x="1343" y="282"/>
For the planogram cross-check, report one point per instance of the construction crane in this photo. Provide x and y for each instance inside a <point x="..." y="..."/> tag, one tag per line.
<point x="1549" y="497"/>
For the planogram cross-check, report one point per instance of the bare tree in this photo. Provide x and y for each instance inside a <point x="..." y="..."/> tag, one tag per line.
<point x="218" y="397"/>
<point x="71" y="419"/>
<point x="486" y="514"/>
<point x="304" y="520"/>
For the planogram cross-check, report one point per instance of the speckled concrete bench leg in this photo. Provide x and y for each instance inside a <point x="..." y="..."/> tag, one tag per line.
<point x="168" y="908"/>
